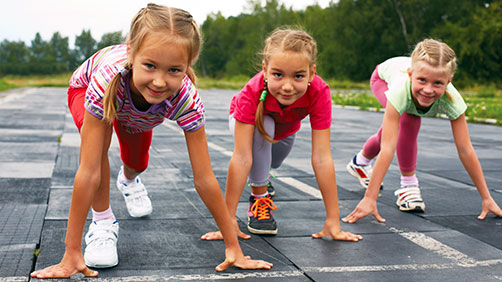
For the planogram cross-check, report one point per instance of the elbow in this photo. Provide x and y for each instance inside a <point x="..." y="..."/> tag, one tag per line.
<point x="204" y="181"/>
<point x="319" y="161"/>
<point x="243" y="162"/>
<point x="465" y="152"/>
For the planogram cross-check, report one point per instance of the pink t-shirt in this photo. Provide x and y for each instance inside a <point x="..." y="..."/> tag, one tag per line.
<point x="316" y="103"/>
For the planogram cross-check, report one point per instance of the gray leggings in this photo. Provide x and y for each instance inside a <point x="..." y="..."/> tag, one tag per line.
<point x="265" y="155"/>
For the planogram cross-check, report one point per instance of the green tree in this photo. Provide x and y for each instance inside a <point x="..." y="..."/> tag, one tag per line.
<point x="111" y="38"/>
<point x="85" y="45"/>
<point x="14" y="57"/>
<point x="39" y="48"/>
<point x="477" y="40"/>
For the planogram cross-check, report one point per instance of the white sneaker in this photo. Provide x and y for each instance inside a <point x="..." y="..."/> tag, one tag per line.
<point x="361" y="172"/>
<point x="101" y="241"/>
<point x="410" y="199"/>
<point x="136" y="197"/>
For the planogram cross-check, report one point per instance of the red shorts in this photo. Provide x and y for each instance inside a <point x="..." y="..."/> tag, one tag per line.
<point x="133" y="147"/>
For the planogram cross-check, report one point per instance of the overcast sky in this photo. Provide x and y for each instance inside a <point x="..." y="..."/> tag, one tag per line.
<point x="22" y="19"/>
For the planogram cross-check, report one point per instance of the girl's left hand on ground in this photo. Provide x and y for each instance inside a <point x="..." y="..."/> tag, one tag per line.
<point x="489" y="206"/>
<point x="216" y="235"/>
<point x="241" y="261"/>
<point x="334" y="231"/>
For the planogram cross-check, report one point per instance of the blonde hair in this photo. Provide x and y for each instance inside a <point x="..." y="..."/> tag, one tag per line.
<point x="284" y="39"/>
<point x="437" y="54"/>
<point x="176" y="24"/>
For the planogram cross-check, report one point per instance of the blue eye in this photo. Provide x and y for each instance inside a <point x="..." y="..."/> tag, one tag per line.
<point x="174" y="70"/>
<point x="149" y="66"/>
<point x="421" y="79"/>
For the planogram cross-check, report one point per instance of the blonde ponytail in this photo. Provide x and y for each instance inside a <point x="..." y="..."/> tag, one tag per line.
<point x="110" y="99"/>
<point x="191" y="75"/>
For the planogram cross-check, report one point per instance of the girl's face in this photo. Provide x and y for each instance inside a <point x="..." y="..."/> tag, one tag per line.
<point x="157" y="70"/>
<point x="428" y="83"/>
<point x="288" y="74"/>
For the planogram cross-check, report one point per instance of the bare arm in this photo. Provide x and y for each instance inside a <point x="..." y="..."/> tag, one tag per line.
<point x="471" y="164"/>
<point x="209" y="190"/>
<point x="96" y="136"/>
<point x="238" y="171"/>
<point x="387" y="148"/>
<point x="324" y="170"/>
<point x="240" y="164"/>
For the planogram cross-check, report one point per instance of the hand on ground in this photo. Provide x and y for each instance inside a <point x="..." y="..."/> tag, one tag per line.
<point x="216" y="235"/>
<point x="332" y="230"/>
<point x="64" y="269"/>
<point x="487" y="206"/>
<point x="237" y="259"/>
<point x="365" y="207"/>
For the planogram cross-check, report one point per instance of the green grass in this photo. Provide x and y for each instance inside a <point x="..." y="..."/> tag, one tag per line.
<point x="5" y="85"/>
<point x="481" y="107"/>
<point x="14" y="81"/>
<point x="227" y="83"/>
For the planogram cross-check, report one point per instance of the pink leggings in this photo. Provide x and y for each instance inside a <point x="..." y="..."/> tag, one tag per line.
<point x="409" y="125"/>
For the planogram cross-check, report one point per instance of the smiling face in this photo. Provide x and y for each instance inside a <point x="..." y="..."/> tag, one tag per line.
<point x="428" y="83"/>
<point x="288" y="74"/>
<point x="158" y="69"/>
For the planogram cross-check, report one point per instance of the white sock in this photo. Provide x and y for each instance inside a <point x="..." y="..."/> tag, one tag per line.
<point x="407" y="181"/>
<point x="362" y="160"/>
<point x="123" y="178"/>
<point x="106" y="214"/>
<point x="259" y="195"/>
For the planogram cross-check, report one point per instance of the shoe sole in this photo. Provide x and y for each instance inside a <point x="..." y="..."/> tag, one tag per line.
<point x="140" y="215"/>
<point x="101" y="265"/>
<point x="262" y="232"/>
<point x="416" y="208"/>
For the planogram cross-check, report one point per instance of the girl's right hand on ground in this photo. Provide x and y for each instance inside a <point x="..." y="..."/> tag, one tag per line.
<point x="487" y="206"/>
<point x="237" y="259"/>
<point x="365" y="207"/>
<point x="217" y="236"/>
<point x="65" y="269"/>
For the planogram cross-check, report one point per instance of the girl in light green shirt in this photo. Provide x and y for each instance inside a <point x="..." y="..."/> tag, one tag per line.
<point x="411" y="88"/>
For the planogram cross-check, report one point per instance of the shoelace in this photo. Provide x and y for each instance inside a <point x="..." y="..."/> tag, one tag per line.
<point x="261" y="206"/>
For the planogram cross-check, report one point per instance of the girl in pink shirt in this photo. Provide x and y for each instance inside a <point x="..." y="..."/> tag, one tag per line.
<point x="264" y="118"/>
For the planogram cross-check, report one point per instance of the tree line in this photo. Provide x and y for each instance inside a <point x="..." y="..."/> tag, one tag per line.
<point x="353" y="36"/>
<point x="53" y="56"/>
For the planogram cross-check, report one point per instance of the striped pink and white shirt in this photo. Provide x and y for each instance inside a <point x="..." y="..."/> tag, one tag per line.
<point x="185" y="106"/>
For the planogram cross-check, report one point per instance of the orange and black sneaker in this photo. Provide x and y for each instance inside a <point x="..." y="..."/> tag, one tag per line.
<point x="260" y="219"/>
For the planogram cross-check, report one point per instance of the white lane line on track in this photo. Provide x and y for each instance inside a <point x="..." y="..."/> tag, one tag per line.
<point x="305" y="188"/>
<point x="435" y="246"/>
<point x="284" y="274"/>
